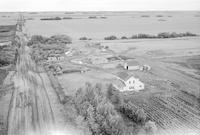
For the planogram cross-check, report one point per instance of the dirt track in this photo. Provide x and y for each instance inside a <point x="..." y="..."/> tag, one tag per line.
<point x="30" y="110"/>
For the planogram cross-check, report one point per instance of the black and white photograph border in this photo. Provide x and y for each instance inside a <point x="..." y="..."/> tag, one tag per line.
<point x="100" y="67"/>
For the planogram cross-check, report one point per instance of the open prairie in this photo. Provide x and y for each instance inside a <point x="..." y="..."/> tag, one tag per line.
<point x="119" y="24"/>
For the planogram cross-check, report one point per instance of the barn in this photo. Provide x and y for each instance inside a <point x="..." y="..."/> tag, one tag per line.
<point x="131" y="65"/>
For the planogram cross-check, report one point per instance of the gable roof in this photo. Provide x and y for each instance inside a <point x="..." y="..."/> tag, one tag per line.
<point x="132" y="63"/>
<point x="124" y="76"/>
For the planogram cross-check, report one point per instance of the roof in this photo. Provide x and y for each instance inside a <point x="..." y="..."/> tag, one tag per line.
<point x="132" y="63"/>
<point x="124" y="76"/>
<point x="118" y="84"/>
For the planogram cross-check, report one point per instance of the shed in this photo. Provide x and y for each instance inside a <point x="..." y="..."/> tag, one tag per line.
<point x="131" y="65"/>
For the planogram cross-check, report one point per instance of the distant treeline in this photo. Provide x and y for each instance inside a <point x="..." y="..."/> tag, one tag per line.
<point x="149" y="36"/>
<point x="51" y="18"/>
<point x="64" y="18"/>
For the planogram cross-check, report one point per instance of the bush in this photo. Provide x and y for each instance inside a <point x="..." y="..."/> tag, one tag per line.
<point x="145" y="16"/>
<point x="127" y="108"/>
<point x="189" y="34"/>
<point x="110" y="38"/>
<point x="134" y="37"/>
<point x="67" y="18"/>
<point x="161" y="20"/>
<point x="53" y="18"/>
<point x="150" y="128"/>
<point x="145" y="36"/>
<point x="133" y="113"/>
<point x="8" y="55"/>
<point x="92" y="17"/>
<point x="113" y="95"/>
<point x="140" y="116"/>
<point x="60" y="39"/>
<point x="175" y="35"/>
<point x="106" y="47"/>
<point x="124" y="37"/>
<point x="83" y="38"/>
<point x="159" y="16"/>
<point x="37" y="39"/>
<point x="163" y="35"/>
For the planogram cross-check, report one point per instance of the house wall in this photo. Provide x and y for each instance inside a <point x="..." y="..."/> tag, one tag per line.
<point x="52" y="59"/>
<point x="133" y="84"/>
<point x="60" y="58"/>
<point x="128" y="67"/>
<point x="133" y="67"/>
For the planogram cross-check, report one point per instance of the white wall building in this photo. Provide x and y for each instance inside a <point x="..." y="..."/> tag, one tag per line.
<point x="130" y="83"/>
<point x="56" y="58"/>
<point x="131" y="65"/>
<point x="52" y="59"/>
<point x="60" y="58"/>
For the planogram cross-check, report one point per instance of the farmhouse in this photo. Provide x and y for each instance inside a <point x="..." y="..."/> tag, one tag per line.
<point x="55" y="58"/>
<point x="52" y="58"/>
<point x="131" y="65"/>
<point x="60" y="58"/>
<point x="130" y="83"/>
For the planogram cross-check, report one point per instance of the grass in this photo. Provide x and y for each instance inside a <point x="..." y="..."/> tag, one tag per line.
<point x="67" y="18"/>
<point x="7" y="55"/>
<point x="3" y="75"/>
<point x="145" y="16"/>
<point x="71" y="71"/>
<point x="196" y="15"/>
<point x="7" y="33"/>
<point x="83" y="38"/>
<point x="159" y="15"/>
<point x="38" y="39"/>
<point x="92" y="17"/>
<point x="162" y="20"/>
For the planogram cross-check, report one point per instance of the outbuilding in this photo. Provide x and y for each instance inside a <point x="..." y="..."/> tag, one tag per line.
<point x="131" y="65"/>
<point x="52" y="59"/>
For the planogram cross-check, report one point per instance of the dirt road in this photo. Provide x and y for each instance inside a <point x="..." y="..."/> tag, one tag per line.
<point x="30" y="109"/>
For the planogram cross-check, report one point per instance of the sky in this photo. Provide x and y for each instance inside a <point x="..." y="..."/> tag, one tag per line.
<point x="98" y="5"/>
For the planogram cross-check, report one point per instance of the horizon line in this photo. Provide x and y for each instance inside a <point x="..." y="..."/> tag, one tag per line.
<point x="186" y="10"/>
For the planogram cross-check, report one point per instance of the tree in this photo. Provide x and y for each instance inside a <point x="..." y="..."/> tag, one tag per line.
<point x="98" y="111"/>
<point x="124" y="37"/>
<point x="113" y="95"/>
<point x="110" y="37"/>
<point x="140" y="116"/>
<point x="83" y="38"/>
<point x="150" y="128"/>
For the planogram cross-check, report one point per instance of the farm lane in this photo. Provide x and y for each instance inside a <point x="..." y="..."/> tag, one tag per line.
<point x="30" y="109"/>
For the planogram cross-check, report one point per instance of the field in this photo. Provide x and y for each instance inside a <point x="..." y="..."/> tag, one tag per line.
<point x="7" y="33"/>
<point x="119" y="24"/>
<point x="60" y="73"/>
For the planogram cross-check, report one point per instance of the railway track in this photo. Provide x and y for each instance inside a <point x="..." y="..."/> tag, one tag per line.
<point x="30" y="109"/>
